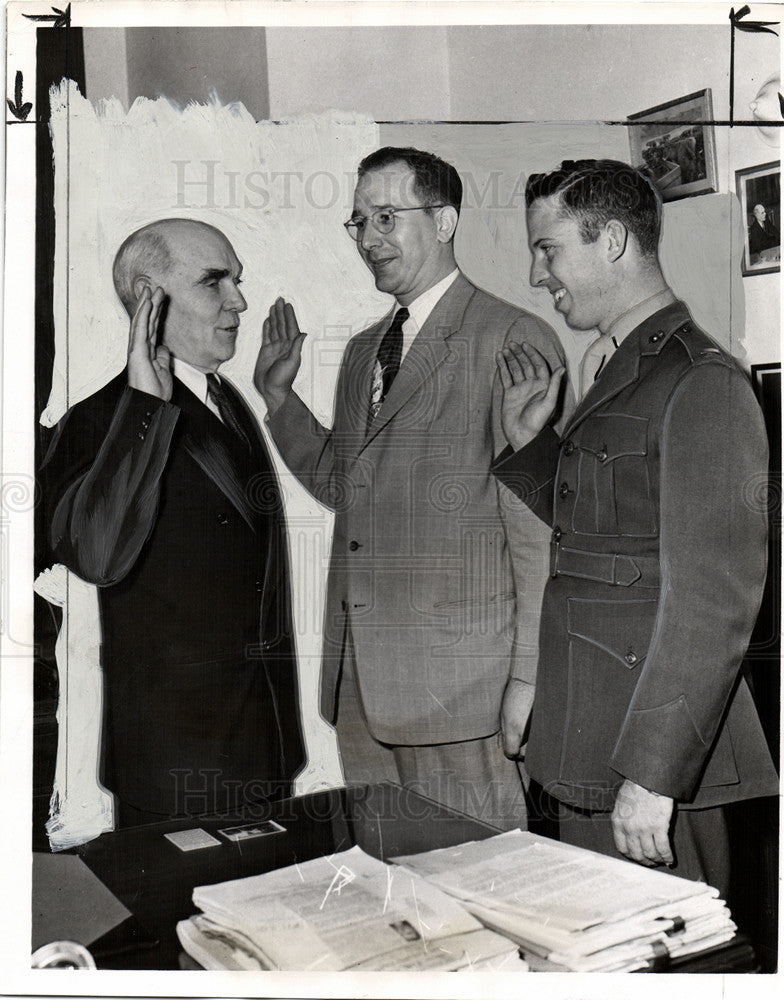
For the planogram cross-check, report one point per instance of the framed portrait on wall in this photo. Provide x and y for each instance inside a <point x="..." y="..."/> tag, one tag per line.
<point x="759" y="193"/>
<point x="678" y="152"/>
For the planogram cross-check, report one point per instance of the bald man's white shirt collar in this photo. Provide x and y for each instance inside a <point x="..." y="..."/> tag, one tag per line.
<point x="195" y="381"/>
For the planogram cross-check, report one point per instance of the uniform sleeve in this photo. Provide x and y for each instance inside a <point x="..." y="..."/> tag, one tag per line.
<point x="713" y="560"/>
<point x="102" y="476"/>
<point x="530" y="472"/>
<point x="527" y="535"/>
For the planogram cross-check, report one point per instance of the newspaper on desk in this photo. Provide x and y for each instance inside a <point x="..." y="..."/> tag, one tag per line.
<point x="575" y="909"/>
<point x="347" y="911"/>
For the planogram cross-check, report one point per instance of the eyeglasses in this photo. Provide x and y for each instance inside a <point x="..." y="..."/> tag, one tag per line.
<point x="383" y="220"/>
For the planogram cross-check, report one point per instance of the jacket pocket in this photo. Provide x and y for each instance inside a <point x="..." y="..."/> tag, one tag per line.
<point x="620" y="629"/>
<point x="613" y="495"/>
<point x="608" y="645"/>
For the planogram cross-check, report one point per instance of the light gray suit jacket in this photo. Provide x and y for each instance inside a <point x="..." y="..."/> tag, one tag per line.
<point x="422" y="566"/>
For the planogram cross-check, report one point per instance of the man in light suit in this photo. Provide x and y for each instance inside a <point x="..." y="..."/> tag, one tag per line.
<point x="642" y="728"/>
<point x="419" y="634"/>
<point x="161" y="492"/>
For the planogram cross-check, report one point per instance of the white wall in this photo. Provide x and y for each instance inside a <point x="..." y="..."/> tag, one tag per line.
<point x="389" y="73"/>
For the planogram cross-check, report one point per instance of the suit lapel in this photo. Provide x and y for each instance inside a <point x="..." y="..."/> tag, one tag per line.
<point x="210" y="444"/>
<point x="623" y="368"/>
<point x="428" y="351"/>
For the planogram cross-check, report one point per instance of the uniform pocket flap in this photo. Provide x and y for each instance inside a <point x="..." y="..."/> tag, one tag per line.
<point x="613" y="435"/>
<point x="622" y="629"/>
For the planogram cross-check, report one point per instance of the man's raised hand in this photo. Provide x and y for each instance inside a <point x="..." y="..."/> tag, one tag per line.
<point x="530" y="392"/>
<point x="149" y="363"/>
<point x="279" y="356"/>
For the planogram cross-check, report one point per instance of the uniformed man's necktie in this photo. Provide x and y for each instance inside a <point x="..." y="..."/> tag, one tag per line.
<point x="227" y="407"/>
<point x="387" y="364"/>
<point x="595" y="361"/>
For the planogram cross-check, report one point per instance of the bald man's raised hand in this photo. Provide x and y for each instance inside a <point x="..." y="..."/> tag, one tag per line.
<point x="279" y="356"/>
<point x="149" y="363"/>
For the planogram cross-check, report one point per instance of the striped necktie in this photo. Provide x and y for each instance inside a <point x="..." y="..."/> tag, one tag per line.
<point x="387" y="364"/>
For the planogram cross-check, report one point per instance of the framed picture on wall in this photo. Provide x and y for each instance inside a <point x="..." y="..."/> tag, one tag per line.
<point x="759" y="193"/>
<point x="671" y="145"/>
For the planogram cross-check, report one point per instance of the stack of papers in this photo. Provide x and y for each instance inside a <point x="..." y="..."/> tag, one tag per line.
<point x="348" y="911"/>
<point x="572" y="909"/>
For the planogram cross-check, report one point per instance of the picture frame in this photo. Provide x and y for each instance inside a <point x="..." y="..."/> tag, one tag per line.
<point x="759" y="194"/>
<point x="670" y="144"/>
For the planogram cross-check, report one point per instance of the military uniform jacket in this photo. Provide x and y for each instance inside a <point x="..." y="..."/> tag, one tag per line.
<point x="658" y="562"/>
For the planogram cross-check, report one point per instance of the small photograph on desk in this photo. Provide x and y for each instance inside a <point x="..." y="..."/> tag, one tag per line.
<point x="251" y="830"/>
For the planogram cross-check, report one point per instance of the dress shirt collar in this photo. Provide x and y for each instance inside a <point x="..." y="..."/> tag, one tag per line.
<point x="422" y="306"/>
<point x="191" y="378"/>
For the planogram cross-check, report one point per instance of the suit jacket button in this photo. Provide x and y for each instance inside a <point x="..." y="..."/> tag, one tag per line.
<point x="222" y="519"/>
<point x="259" y="586"/>
<point x="353" y="546"/>
<point x="568" y="447"/>
<point x="631" y="658"/>
<point x="140" y="436"/>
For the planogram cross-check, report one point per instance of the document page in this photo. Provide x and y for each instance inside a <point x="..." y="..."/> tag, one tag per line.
<point x="346" y="911"/>
<point x="563" y="886"/>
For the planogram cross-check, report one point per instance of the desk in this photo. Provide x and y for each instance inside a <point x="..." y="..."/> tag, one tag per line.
<point x="155" y="880"/>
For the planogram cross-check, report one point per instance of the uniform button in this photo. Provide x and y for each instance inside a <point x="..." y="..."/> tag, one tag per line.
<point x="631" y="658"/>
<point x="568" y="447"/>
<point x="557" y="533"/>
<point x="140" y="436"/>
<point x="259" y="586"/>
<point x="148" y="413"/>
<point x="353" y="546"/>
<point x="222" y="519"/>
<point x="563" y="490"/>
<point x="145" y="424"/>
<point x="602" y="455"/>
<point x="656" y="337"/>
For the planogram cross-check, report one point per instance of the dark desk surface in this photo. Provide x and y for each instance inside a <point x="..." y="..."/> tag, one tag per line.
<point x="155" y="880"/>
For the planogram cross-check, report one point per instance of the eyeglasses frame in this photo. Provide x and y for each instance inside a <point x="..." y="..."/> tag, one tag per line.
<point x="393" y="211"/>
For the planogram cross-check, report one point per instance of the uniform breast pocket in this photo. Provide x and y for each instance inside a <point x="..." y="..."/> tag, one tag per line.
<point x="613" y="495"/>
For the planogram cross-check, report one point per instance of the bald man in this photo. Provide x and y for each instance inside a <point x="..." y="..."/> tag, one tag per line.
<point x="160" y="491"/>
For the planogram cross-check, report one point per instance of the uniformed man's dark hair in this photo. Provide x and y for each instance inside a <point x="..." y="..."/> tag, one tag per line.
<point x="594" y="191"/>
<point x="436" y="181"/>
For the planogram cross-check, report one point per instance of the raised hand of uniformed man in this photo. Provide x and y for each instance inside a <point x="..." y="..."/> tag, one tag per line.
<point x="641" y="824"/>
<point x="530" y="392"/>
<point x="149" y="363"/>
<point x="279" y="356"/>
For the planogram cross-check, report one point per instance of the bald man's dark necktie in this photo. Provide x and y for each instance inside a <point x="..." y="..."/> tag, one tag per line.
<point x="387" y="364"/>
<point x="227" y="406"/>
